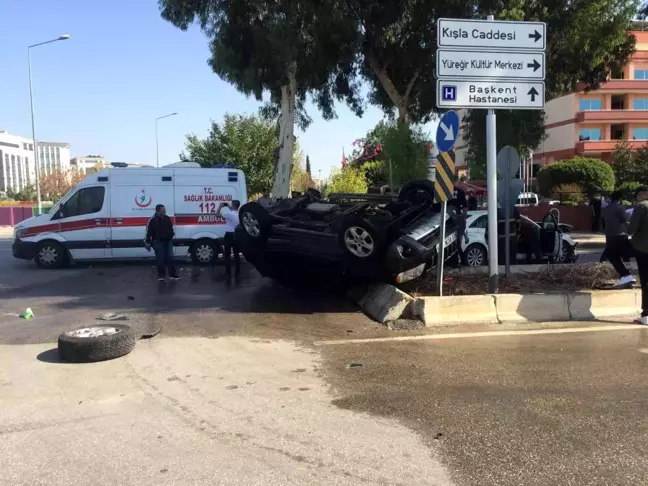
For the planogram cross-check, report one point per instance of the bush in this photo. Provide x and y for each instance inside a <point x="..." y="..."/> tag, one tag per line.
<point x="348" y="180"/>
<point x="628" y="190"/>
<point x="405" y="147"/>
<point x="593" y="175"/>
<point x="568" y="193"/>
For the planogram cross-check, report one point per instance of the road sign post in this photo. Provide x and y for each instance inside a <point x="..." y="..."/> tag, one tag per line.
<point x="508" y="162"/>
<point x="491" y="64"/>
<point x="444" y="180"/>
<point x="443" y="191"/>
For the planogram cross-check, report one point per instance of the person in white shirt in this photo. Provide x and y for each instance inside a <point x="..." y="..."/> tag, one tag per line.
<point x="231" y="216"/>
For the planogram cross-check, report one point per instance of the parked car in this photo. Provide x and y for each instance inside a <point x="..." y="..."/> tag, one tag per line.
<point x="527" y="199"/>
<point x="475" y="250"/>
<point x="347" y="237"/>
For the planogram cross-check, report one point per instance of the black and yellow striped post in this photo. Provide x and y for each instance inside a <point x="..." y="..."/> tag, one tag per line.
<point x="444" y="181"/>
<point x="444" y="178"/>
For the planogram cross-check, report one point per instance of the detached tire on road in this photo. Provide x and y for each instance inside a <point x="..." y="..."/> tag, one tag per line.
<point x="255" y="221"/>
<point x="97" y="343"/>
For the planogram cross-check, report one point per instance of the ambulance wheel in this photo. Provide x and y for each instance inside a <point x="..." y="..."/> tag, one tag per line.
<point x="50" y="254"/>
<point x="204" y="252"/>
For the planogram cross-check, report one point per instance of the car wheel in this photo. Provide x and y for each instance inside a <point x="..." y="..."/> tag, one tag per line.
<point x="255" y="221"/>
<point x="475" y="255"/>
<point x="97" y="343"/>
<point x="418" y="192"/>
<point x="50" y="254"/>
<point x="204" y="252"/>
<point x="566" y="254"/>
<point x="361" y="238"/>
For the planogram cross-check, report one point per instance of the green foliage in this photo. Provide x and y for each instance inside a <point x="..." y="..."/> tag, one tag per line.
<point x="375" y="173"/>
<point x="300" y="179"/>
<point x="569" y="194"/>
<point x="522" y="129"/>
<point x="308" y="165"/>
<point x="629" y="166"/>
<point x="28" y="193"/>
<point x="246" y="141"/>
<point x="593" y="175"/>
<point x="258" y="45"/>
<point x="405" y="148"/>
<point x="628" y="190"/>
<point x="348" y="180"/>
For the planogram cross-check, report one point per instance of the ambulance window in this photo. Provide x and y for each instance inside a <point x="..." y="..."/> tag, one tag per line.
<point x="86" y="201"/>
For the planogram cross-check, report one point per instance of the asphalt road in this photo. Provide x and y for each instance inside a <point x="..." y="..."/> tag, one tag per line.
<point x="253" y="383"/>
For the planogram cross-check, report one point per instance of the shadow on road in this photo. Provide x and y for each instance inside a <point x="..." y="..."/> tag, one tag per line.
<point x="50" y="356"/>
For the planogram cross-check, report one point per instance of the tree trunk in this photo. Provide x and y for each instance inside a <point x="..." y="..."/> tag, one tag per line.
<point x="286" y="138"/>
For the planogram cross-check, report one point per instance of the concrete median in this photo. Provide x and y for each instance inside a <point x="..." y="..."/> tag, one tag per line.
<point x="602" y="304"/>
<point x="532" y="307"/>
<point x="460" y="309"/>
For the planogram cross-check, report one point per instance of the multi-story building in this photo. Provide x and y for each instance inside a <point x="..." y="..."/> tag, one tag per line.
<point x="88" y="163"/>
<point x="591" y="124"/>
<point x="17" y="161"/>
<point x="53" y="156"/>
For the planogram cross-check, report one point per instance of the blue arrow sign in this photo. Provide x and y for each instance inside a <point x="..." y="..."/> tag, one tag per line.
<point x="448" y="131"/>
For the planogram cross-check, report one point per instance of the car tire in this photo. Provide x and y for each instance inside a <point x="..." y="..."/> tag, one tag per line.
<point x="255" y="221"/>
<point x="566" y="254"/>
<point x="362" y="238"/>
<point x="97" y="343"/>
<point x="204" y="252"/>
<point x="417" y="192"/>
<point x="50" y="255"/>
<point x="475" y="255"/>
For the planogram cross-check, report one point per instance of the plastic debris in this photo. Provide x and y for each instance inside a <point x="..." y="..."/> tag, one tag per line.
<point x="355" y="365"/>
<point x="28" y="314"/>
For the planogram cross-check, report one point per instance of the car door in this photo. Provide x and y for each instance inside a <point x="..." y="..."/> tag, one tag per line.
<point x="550" y="236"/>
<point x="477" y="231"/>
<point x="83" y="223"/>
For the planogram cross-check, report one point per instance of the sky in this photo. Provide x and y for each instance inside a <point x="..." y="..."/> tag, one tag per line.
<point x="124" y="66"/>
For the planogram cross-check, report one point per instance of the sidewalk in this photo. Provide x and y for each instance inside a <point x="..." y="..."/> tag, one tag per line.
<point x="6" y="231"/>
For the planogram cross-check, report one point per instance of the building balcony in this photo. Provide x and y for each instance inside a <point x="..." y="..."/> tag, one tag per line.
<point x="598" y="146"/>
<point x="612" y="116"/>
<point x="619" y="86"/>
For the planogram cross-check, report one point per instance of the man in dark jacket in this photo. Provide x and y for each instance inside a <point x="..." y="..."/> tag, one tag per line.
<point x="617" y="244"/>
<point x="159" y="235"/>
<point x="638" y="228"/>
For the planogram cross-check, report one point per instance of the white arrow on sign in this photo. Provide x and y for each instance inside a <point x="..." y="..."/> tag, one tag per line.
<point x="449" y="132"/>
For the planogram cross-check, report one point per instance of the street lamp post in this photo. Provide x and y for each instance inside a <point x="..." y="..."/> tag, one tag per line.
<point x="31" y="101"/>
<point x="157" y="142"/>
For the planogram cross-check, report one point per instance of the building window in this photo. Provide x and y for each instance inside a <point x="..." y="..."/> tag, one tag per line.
<point x="641" y="74"/>
<point x="618" y="102"/>
<point x="617" y="132"/>
<point x="31" y="147"/>
<point x="589" y="134"/>
<point x="640" y="133"/>
<point x="640" y="104"/>
<point x="27" y="171"/>
<point x="591" y="104"/>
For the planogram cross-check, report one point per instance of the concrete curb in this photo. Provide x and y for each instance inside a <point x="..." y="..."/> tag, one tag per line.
<point x="6" y="231"/>
<point x="385" y="303"/>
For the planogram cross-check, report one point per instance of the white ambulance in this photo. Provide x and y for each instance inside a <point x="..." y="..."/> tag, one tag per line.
<point x="105" y="216"/>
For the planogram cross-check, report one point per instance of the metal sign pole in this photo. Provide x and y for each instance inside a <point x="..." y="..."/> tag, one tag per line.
<point x="491" y="181"/>
<point x="507" y="231"/>
<point x="441" y="253"/>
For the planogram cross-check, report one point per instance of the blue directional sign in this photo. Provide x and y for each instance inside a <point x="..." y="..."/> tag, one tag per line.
<point x="448" y="131"/>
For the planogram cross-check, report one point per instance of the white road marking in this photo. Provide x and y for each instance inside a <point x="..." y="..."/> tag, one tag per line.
<point x="460" y="335"/>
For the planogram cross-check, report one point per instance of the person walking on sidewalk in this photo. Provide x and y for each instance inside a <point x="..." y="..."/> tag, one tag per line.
<point x="159" y="235"/>
<point x="617" y="244"/>
<point x="231" y="216"/>
<point x="638" y="228"/>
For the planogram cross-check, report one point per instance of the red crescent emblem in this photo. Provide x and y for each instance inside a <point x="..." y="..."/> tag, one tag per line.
<point x="143" y="198"/>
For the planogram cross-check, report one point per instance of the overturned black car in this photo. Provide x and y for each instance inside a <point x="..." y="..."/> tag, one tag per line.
<point x="347" y="238"/>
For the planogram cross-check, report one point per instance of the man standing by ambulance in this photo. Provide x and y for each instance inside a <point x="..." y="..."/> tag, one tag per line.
<point x="159" y="235"/>
<point x="231" y="216"/>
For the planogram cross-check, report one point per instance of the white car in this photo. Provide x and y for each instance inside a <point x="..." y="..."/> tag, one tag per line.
<point x="476" y="249"/>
